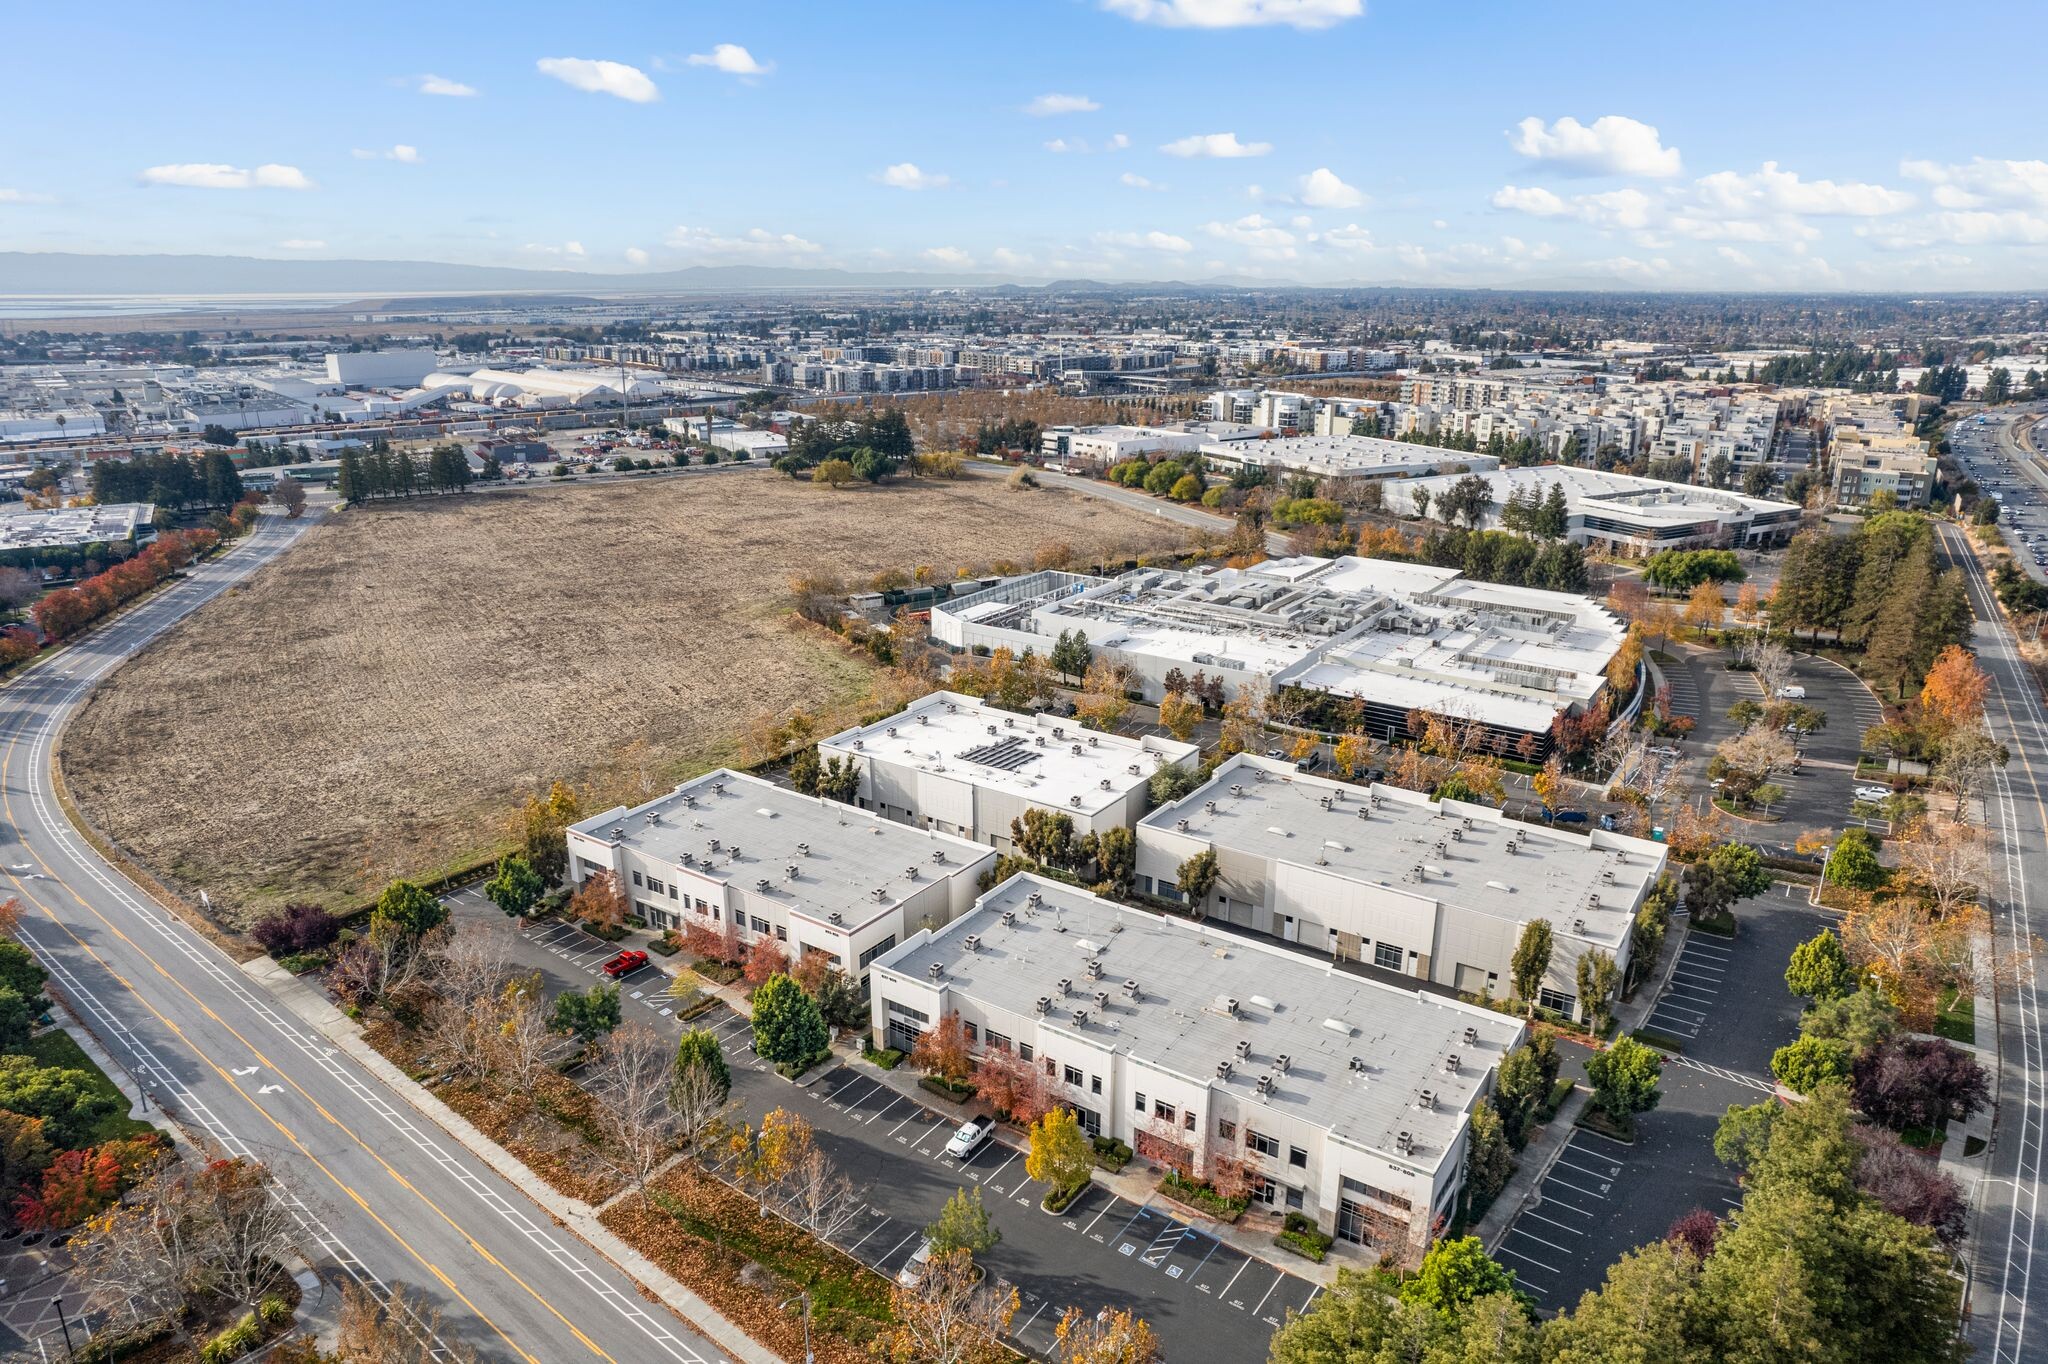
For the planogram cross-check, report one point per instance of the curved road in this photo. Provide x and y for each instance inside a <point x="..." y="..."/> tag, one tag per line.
<point x="382" y="1194"/>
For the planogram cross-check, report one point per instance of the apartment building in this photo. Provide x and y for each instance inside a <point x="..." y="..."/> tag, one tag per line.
<point x="954" y="764"/>
<point x="1431" y="890"/>
<point x="728" y="848"/>
<point x="1349" y="1099"/>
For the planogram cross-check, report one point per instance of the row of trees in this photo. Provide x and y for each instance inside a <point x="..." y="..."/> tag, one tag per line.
<point x="383" y="472"/>
<point x="873" y="444"/>
<point x="1880" y="590"/>
<point x="68" y="610"/>
<point x="176" y="481"/>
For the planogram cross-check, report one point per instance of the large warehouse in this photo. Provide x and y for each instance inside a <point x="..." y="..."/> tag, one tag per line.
<point x="1394" y="636"/>
<point x="1349" y="1099"/>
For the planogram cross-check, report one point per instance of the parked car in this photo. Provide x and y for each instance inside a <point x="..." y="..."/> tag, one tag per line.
<point x="970" y="1137"/>
<point x="1791" y="693"/>
<point x="1311" y="762"/>
<point x="1607" y="823"/>
<point x="1873" y="792"/>
<point x="1275" y="753"/>
<point x="625" y="964"/>
<point x="913" y="1268"/>
<point x="1565" y="816"/>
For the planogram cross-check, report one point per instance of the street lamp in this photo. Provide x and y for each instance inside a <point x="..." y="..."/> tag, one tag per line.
<point x="805" y="1298"/>
<point x="1827" y="855"/>
<point x="62" y="1321"/>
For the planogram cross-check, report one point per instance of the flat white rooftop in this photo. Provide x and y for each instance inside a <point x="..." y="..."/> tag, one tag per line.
<point x="1586" y="884"/>
<point x="1347" y="454"/>
<point x="1044" y="759"/>
<point x="1319" y="1018"/>
<point x="63" y="526"/>
<point x="1593" y="492"/>
<point x="729" y="827"/>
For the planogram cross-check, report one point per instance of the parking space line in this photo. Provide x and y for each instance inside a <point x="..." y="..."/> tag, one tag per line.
<point x="1225" y="1294"/>
<point x="1585" y="1170"/>
<point x="1315" y="1289"/>
<point x="891" y="1252"/>
<point x="835" y="1096"/>
<point x="1549" y="1202"/>
<point x="1520" y="1231"/>
<point x="1528" y="1259"/>
<point x="914" y="1116"/>
<point x="1269" y="1293"/>
<point x="871" y="1231"/>
<point x="1667" y="1004"/>
<point x="899" y="1099"/>
<point x="1098" y="1216"/>
<point x="1574" y="1188"/>
<point x="1569" y="1231"/>
<point x="1000" y="1168"/>
<point x="1134" y="1217"/>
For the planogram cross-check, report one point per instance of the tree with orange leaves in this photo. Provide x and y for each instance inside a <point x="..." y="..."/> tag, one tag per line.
<point x="1953" y="694"/>
<point x="10" y="916"/>
<point x="1120" y="1337"/>
<point x="942" y="1050"/>
<point x="765" y="958"/>
<point x="1013" y="1086"/>
<point x="599" y="902"/>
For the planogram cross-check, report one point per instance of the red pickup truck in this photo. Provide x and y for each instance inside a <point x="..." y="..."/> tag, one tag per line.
<point x="625" y="964"/>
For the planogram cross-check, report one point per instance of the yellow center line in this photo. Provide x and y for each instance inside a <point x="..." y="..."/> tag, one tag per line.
<point x="7" y="804"/>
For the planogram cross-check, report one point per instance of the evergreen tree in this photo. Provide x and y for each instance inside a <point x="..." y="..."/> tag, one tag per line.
<point x="788" y="1029"/>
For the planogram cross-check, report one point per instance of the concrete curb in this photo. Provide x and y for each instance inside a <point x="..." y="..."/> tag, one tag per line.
<point x="574" y="1215"/>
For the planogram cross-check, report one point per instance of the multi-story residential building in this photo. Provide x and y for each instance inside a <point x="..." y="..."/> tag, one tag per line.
<point x="1431" y="890"/>
<point x="1895" y="464"/>
<point x="1349" y="1099"/>
<point x="728" y="848"/>
<point x="953" y="763"/>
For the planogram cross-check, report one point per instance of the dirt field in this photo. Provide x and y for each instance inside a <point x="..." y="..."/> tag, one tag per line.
<point x="375" y="703"/>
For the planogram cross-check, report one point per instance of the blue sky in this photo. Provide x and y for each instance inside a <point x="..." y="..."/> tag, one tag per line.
<point x="1800" y="145"/>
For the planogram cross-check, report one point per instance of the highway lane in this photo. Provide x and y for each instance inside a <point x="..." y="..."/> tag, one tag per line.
<point x="2004" y="1266"/>
<point x="382" y="1193"/>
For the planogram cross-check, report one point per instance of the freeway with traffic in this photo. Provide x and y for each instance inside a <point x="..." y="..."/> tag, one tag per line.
<point x="381" y="1193"/>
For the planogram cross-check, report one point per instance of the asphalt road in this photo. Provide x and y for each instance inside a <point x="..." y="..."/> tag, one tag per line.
<point x="382" y="1195"/>
<point x="2006" y="1232"/>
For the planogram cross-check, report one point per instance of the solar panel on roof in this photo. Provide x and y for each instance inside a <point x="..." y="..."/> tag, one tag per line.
<point x="1010" y="754"/>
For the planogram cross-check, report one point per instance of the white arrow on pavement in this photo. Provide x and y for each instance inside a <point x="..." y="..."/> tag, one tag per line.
<point x="271" y="1089"/>
<point x="248" y="1070"/>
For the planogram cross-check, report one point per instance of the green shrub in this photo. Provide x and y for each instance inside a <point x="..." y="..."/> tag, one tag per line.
<point x="231" y="1344"/>
<point x="1110" y="1153"/>
<point x="888" y="1058"/>
<point x="299" y="963"/>
<point x="1302" y="1236"/>
<point x="274" y="1311"/>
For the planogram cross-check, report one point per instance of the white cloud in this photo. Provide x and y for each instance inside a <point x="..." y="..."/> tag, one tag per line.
<point x="23" y="196"/>
<point x="1223" y="145"/>
<point x="573" y="250"/>
<point x="1266" y="238"/>
<point x="441" y="85"/>
<point x="1301" y="220"/>
<point x="732" y="59"/>
<point x="409" y="155"/>
<point x="636" y="255"/>
<point x="1534" y="200"/>
<point x="1118" y="142"/>
<point x="1149" y="241"/>
<point x="1771" y="191"/>
<point x="213" y="175"/>
<point x="1137" y="181"/>
<point x="1651" y="271"/>
<point x="302" y="244"/>
<point x="906" y="175"/>
<point x="1060" y="144"/>
<point x="1612" y="145"/>
<point x="1983" y="182"/>
<point x="1734" y="257"/>
<point x="602" y="78"/>
<point x="754" y="244"/>
<point x="1321" y="188"/>
<point x="1008" y="259"/>
<point x="1617" y="208"/>
<point x="1045" y="106"/>
<point x="1237" y="13"/>
<point x="947" y="255"/>
<point x="1438" y="223"/>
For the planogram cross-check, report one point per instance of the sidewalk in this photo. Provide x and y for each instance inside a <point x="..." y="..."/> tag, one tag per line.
<point x="578" y="1217"/>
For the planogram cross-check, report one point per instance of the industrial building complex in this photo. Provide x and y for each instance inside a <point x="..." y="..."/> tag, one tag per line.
<point x="1619" y="513"/>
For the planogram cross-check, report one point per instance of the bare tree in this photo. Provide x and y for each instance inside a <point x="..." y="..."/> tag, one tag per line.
<point x="821" y="1199"/>
<point x="465" y="1023"/>
<point x="18" y="587"/>
<point x="1964" y="768"/>
<point x="946" y="1317"/>
<point x="473" y="959"/>
<point x="632" y="1101"/>
<point x="403" y="1328"/>
<point x="1773" y="664"/>
<point x="1947" y="859"/>
<point x="525" y="1037"/>
<point x="698" y="1100"/>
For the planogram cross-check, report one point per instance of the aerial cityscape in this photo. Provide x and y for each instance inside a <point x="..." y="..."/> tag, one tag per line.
<point x="658" y="711"/>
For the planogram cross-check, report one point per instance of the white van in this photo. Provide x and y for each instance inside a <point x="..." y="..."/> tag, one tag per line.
<point x="1792" y="693"/>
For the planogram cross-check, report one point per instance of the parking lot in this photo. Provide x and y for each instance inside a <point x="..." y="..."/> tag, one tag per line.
<point x="1206" y="1299"/>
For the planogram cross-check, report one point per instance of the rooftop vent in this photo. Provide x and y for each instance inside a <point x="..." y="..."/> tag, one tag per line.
<point x="803" y="850"/>
<point x="1080" y="1018"/>
<point x="1102" y="1000"/>
<point x="1358" y="1065"/>
<point x="1059" y="731"/>
<point x="1244" y="1046"/>
<point x="924" y="719"/>
<point x="1134" y="771"/>
<point x="689" y="859"/>
<point x="892" y="731"/>
<point x="910" y="872"/>
<point x="734" y="852"/>
<point x="789" y="872"/>
<point x="1457" y="836"/>
<point x="654" y="816"/>
<point x="1579" y="926"/>
<point x="1223" y="1070"/>
<point x="1009" y="917"/>
<point x="1105" y="783"/>
<point x="834" y="917"/>
<point x="1264" y="1003"/>
<point x="935" y="970"/>
<point x="1093" y="969"/>
<point x="1075" y="801"/>
<point x="1426" y="1101"/>
<point x="1471" y="1037"/>
<point x="1404" y="1143"/>
<point x="1091" y="741"/>
<point x="991" y="729"/>
<point x="1182" y="824"/>
<point x="1209" y="806"/>
<point x="881" y="893"/>
<point x="1077" y="750"/>
<point x="1066" y="987"/>
<point x="1337" y="1025"/>
<point x="1038" y="741"/>
<point x="1265" y="1084"/>
<point x="689" y="800"/>
<point x="714" y="845"/>
<point x="1045" y="1004"/>
<point x="1033" y="899"/>
<point x="859" y="744"/>
<point x="763" y="883"/>
<point x="1009" y="722"/>
<point x="1131" y="988"/>
<point x="972" y="942"/>
<point x="1282" y="1062"/>
<point x="939" y="856"/>
<point x="618" y="831"/>
<point x="1451" y="1064"/>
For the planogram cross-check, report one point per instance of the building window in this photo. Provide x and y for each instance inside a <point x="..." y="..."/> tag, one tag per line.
<point x="1260" y="1142"/>
<point x="1023" y="1051"/>
<point x="877" y="950"/>
<point x="1226" y="1129"/>
<point x="701" y="907"/>
<point x="973" y="1033"/>
<point x="1187" y="1120"/>
<point x="672" y="891"/>
<point x="1164" y="1111"/>
<point x="1072" y="1076"/>
<point x="654" y="885"/>
<point x="636" y="879"/>
<point x="1095" y="1084"/>
<point x="1262" y="1189"/>
<point x="1386" y="956"/>
<point x="1556" y="999"/>
<point x="759" y="924"/>
<point x="1353" y="1186"/>
<point x="1051" y="1068"/>
<point x="1294" y="1198"/>
<point x="781" y="933"/>
<point x="998" y="1042"/>
<point x="1297" y="1157"/>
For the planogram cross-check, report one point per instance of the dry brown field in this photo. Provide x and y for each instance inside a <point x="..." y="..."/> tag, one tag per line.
<point x="375" y="703"/>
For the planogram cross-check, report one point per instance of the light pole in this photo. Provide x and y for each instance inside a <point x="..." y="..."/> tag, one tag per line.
<point x="69" y="1348"/>
<point x="805" y="1298"/>
<point x="1827" y="855"/>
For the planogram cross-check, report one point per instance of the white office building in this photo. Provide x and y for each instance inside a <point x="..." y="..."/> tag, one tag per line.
<point x="1620" y="513"/>
<point x="401" y="367"/>
<point x="727" y="848"/>
<point x="1344" y="456"/>
<point x="958" y="765"/>
<point x="1432" y="890"/>
<point x="1348" y="1098"/>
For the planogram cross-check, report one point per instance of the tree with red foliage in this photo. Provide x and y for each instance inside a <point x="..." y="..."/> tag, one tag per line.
<point x="1695" y="1232"/>
<point x="1225" y="1170"/>
<point x="1908" y="1184"/>
<point x="1918" y="1081"/>
<point x="1162" y="1143"/>
<point x="811" y="971"/>
<point x="942" y="1050"/>
<point x="764" y="959"/>
<point x="598" y="901"/>
<point x="77" y="1185"/>
<point x="1013" y="1086"/>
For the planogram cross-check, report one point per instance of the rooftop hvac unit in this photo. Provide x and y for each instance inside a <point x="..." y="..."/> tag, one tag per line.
<point x="1080" y="1018"/>
<point x="1593" y="899"/>
<point x="1091" y="741"/>
<point x="1265" y="1084"/>
<point x="834" y="917"/>
<point x="718" y="788"/>
<point x="763" y="884"/>
<point x="952" y="709"/>
<point x="939" y="856"/>
<point x="924" y="719"/>
<point x="1457" y="836"/>
<point x="1182" y="824"/>
<point x="1244" y="1047"/>
<point x="1324" y="801"/>
<point x="1134" y="771"/>
<point x="972" y="942"/>
<point x="1466" y="822"/>
<point x="618" y="831"/>
<point x="1105" y="783"/>
<point x="1074" y="801"/>
<point x="1033" y="899"/>
<point x="892" y="731"/>
<point x="935" y="970"/>
<point x="1471" y="1037"/>
<point x="789" y="872"/>
<point x="1093" y="969"/>
<point x="1404" y="1143"/>
<point x="1230" y="1004"/>
<point x="881" y="893"/>
<point x="991" y="729"/>
<point x="803" y="850"/>
<point x="689" y="800"/>
<point x="1451" y="1064"/>
<point x="1621" y="857"/>
<point x="1606" y="877"/>
<point x="1045" y="1004"/>
<point x="1102" y="1000"/>
<point x="654" y="816"/>
<point x="1282" y="1062"/>
<point x="1059" y="731"/>
<point x="1579" y="926"/>
<point x="1223" y="1070"/>
<point x="1077" y="750"/>
<point x="734" y="852"/>
<point x="1009" y="722"/>
<point x="1009" y="917"/>
<point x="1236" y="789"/>
<point x="1426" y="1101"/>
<point x="1442" y="848"/>
<point x="1038" y="741"/>
<point x="860" y="744"/>
<point x="1209" y="806"/>
<point x="1131" y="988"/>
<point x="1358" y="1065"/>
<point x="1066" y="987"/>
<point x="689" y="859"/>
<point x="1365" y="812"/>
<point x="714" y="845"/>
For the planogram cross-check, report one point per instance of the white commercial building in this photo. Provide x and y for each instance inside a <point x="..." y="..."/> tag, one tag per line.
<point x="1393" y="636"/>
<point x="405" y="367"/>
<point x="71" y="527"/>
<point x="56" y="424"/>
<point x="1348" y="1099"/>
<point x="956" y="764"/>
<point x="727" y="848"/>
<point x="1104" y="446"/>
<point x="1620" y="513"/>
<point x="1434" y="890"/>
<point x="1344" y="457"/>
